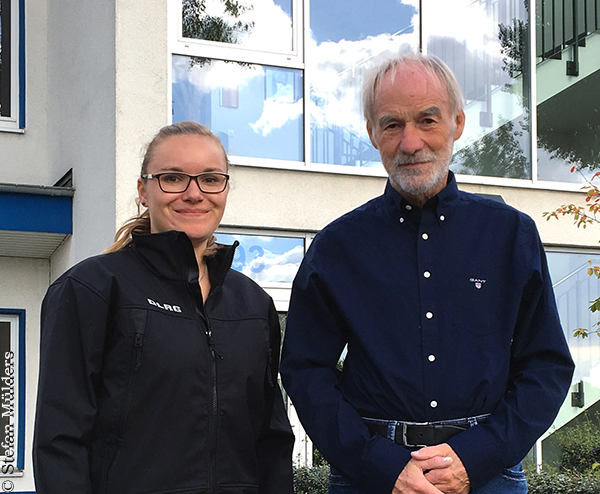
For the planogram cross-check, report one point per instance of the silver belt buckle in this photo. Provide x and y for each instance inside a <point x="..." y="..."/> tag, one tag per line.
<point x="405" y="438"/>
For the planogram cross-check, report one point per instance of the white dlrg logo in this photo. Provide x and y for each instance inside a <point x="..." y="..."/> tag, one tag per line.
<point x="172" y="308"/>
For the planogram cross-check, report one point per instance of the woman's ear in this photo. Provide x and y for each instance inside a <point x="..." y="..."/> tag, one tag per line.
<point x="141" y="187"/>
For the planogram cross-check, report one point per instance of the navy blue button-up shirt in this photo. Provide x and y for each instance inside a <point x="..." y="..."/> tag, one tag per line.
<point x="447" y="311"/>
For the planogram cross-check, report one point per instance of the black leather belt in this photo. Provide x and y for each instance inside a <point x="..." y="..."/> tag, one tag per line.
<point x="419" y="435"/>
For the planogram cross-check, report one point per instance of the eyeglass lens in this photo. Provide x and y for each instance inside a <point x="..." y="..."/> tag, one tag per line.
<point x="179" y="182"/>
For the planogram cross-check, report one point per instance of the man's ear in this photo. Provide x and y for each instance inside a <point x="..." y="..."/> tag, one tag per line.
<point x="371" y="135"/>
<point x="459" y="124"/>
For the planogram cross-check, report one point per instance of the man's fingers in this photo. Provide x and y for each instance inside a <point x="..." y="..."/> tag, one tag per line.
<point x="434" y="463"/>
<point x="431" y="451"/>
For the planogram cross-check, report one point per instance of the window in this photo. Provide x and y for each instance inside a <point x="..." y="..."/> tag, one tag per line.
<point x="574" y="290"/>
<point x="11" y="76"/>
<point x="272" y="261"/>
<point x="339" y="54"/>
<point x="568" y="75"/>
<point x="256" y="110"/>
<point x="485" y="43"/>
<point x="12" y="378"/>
<point x="258" y="25"/>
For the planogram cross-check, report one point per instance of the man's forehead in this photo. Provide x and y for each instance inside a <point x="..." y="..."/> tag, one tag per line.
<point x="412" y="85"/>
<point x="410" y="71"/>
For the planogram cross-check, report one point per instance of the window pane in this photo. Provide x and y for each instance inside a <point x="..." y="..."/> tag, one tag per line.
<point x="256" y="110"/>
<point x="568" y="115"/>
<point x="266" y="259"/>
<point x="339" y="53"/>
<point x="257" y="24"/>
<point x="574" y="290"/>
<point x="5" y="58"/>
<point x="485" y="43"/>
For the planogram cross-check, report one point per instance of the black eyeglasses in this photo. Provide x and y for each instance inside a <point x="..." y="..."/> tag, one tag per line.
<point x="177" y="182"/>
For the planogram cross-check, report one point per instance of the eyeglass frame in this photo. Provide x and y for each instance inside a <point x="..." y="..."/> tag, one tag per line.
<point x="149" y="176"/>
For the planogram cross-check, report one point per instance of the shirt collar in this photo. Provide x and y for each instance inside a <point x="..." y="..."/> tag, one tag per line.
<point x="442" y="204"/>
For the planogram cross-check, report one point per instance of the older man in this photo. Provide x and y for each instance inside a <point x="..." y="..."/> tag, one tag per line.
<point x="456" y="362"/>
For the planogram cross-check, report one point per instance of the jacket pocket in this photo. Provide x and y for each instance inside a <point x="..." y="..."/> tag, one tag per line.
<point x="138" y="319"/>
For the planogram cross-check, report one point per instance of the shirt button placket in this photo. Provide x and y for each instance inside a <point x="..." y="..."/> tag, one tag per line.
<point x="427" y="246"/>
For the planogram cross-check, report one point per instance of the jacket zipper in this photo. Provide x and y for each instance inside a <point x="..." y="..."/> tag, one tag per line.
<point x="139" y="341"/>
<point x="212" y="428"/>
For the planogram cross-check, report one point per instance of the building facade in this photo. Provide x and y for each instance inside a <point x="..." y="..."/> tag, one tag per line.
<point x="85" y="85"/>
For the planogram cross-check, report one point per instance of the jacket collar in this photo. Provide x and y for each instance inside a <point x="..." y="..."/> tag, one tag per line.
<point x="170" y="255"/>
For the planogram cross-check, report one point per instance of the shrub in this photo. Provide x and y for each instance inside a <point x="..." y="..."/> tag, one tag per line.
<point x="580" y="446"/>
<point x="313" y="480"/>
<point x="563" y="483"/>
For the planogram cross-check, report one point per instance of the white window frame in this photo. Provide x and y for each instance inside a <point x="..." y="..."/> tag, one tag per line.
<point x="13" y="366"/>
<point x="14" y="122"/>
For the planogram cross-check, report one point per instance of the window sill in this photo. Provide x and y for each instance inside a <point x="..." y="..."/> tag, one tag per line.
<point x="16" y="473"/>
<point x="12" y="130"/>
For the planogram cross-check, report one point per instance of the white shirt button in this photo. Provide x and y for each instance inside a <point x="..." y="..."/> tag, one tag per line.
<point x="401" y="220"/>
<point x="427" y="274"/>
<point x="408" y="207"/>
<point x="442" y="217"/>
<point x="433" y="404"/>
<point x="431" y="358"/>
<point x="429" y="315"/>
<point x="424" y="236"/>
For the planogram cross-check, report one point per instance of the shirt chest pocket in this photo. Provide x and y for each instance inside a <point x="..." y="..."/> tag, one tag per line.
<point x="476" y="305"/>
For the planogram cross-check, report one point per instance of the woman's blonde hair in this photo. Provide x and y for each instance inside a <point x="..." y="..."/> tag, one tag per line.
<point x="141" y="222"/>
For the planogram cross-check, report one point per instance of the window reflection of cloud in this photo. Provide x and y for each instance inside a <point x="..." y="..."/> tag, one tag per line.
<point x="276" y="113"/>
<point x="271" y="25"/>
<point x="215" y="74"/>
<point x="464" y="21"/>
<point x="337" y="73"/>
<point x="277" y="267"/>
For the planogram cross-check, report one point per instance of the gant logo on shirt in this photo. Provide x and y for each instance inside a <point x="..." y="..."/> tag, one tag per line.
<point x="477" y="282"/>
<point x="172" y="308"/>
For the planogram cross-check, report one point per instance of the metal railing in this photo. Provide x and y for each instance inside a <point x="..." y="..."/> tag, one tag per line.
<point x="339" y="145"/>
<point x="563" y="24"/>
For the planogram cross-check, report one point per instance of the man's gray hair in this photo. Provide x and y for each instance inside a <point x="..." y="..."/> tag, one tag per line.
<point x="430" y="63"/>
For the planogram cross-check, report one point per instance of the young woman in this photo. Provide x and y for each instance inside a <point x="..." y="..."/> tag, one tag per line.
<point x="158" y="369"/>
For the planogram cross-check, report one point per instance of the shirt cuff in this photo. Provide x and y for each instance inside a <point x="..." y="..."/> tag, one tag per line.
<point x="479" y="454"/>
<point x="383" y="461"/>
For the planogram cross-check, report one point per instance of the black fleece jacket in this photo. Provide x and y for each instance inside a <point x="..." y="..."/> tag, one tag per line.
<point x="146" y="389"/>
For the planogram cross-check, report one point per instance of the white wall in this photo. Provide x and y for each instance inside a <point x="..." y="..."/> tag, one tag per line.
<point x="296" y="200"/>
<point x="81" y="114"/>
<point x="142" y="89"/>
